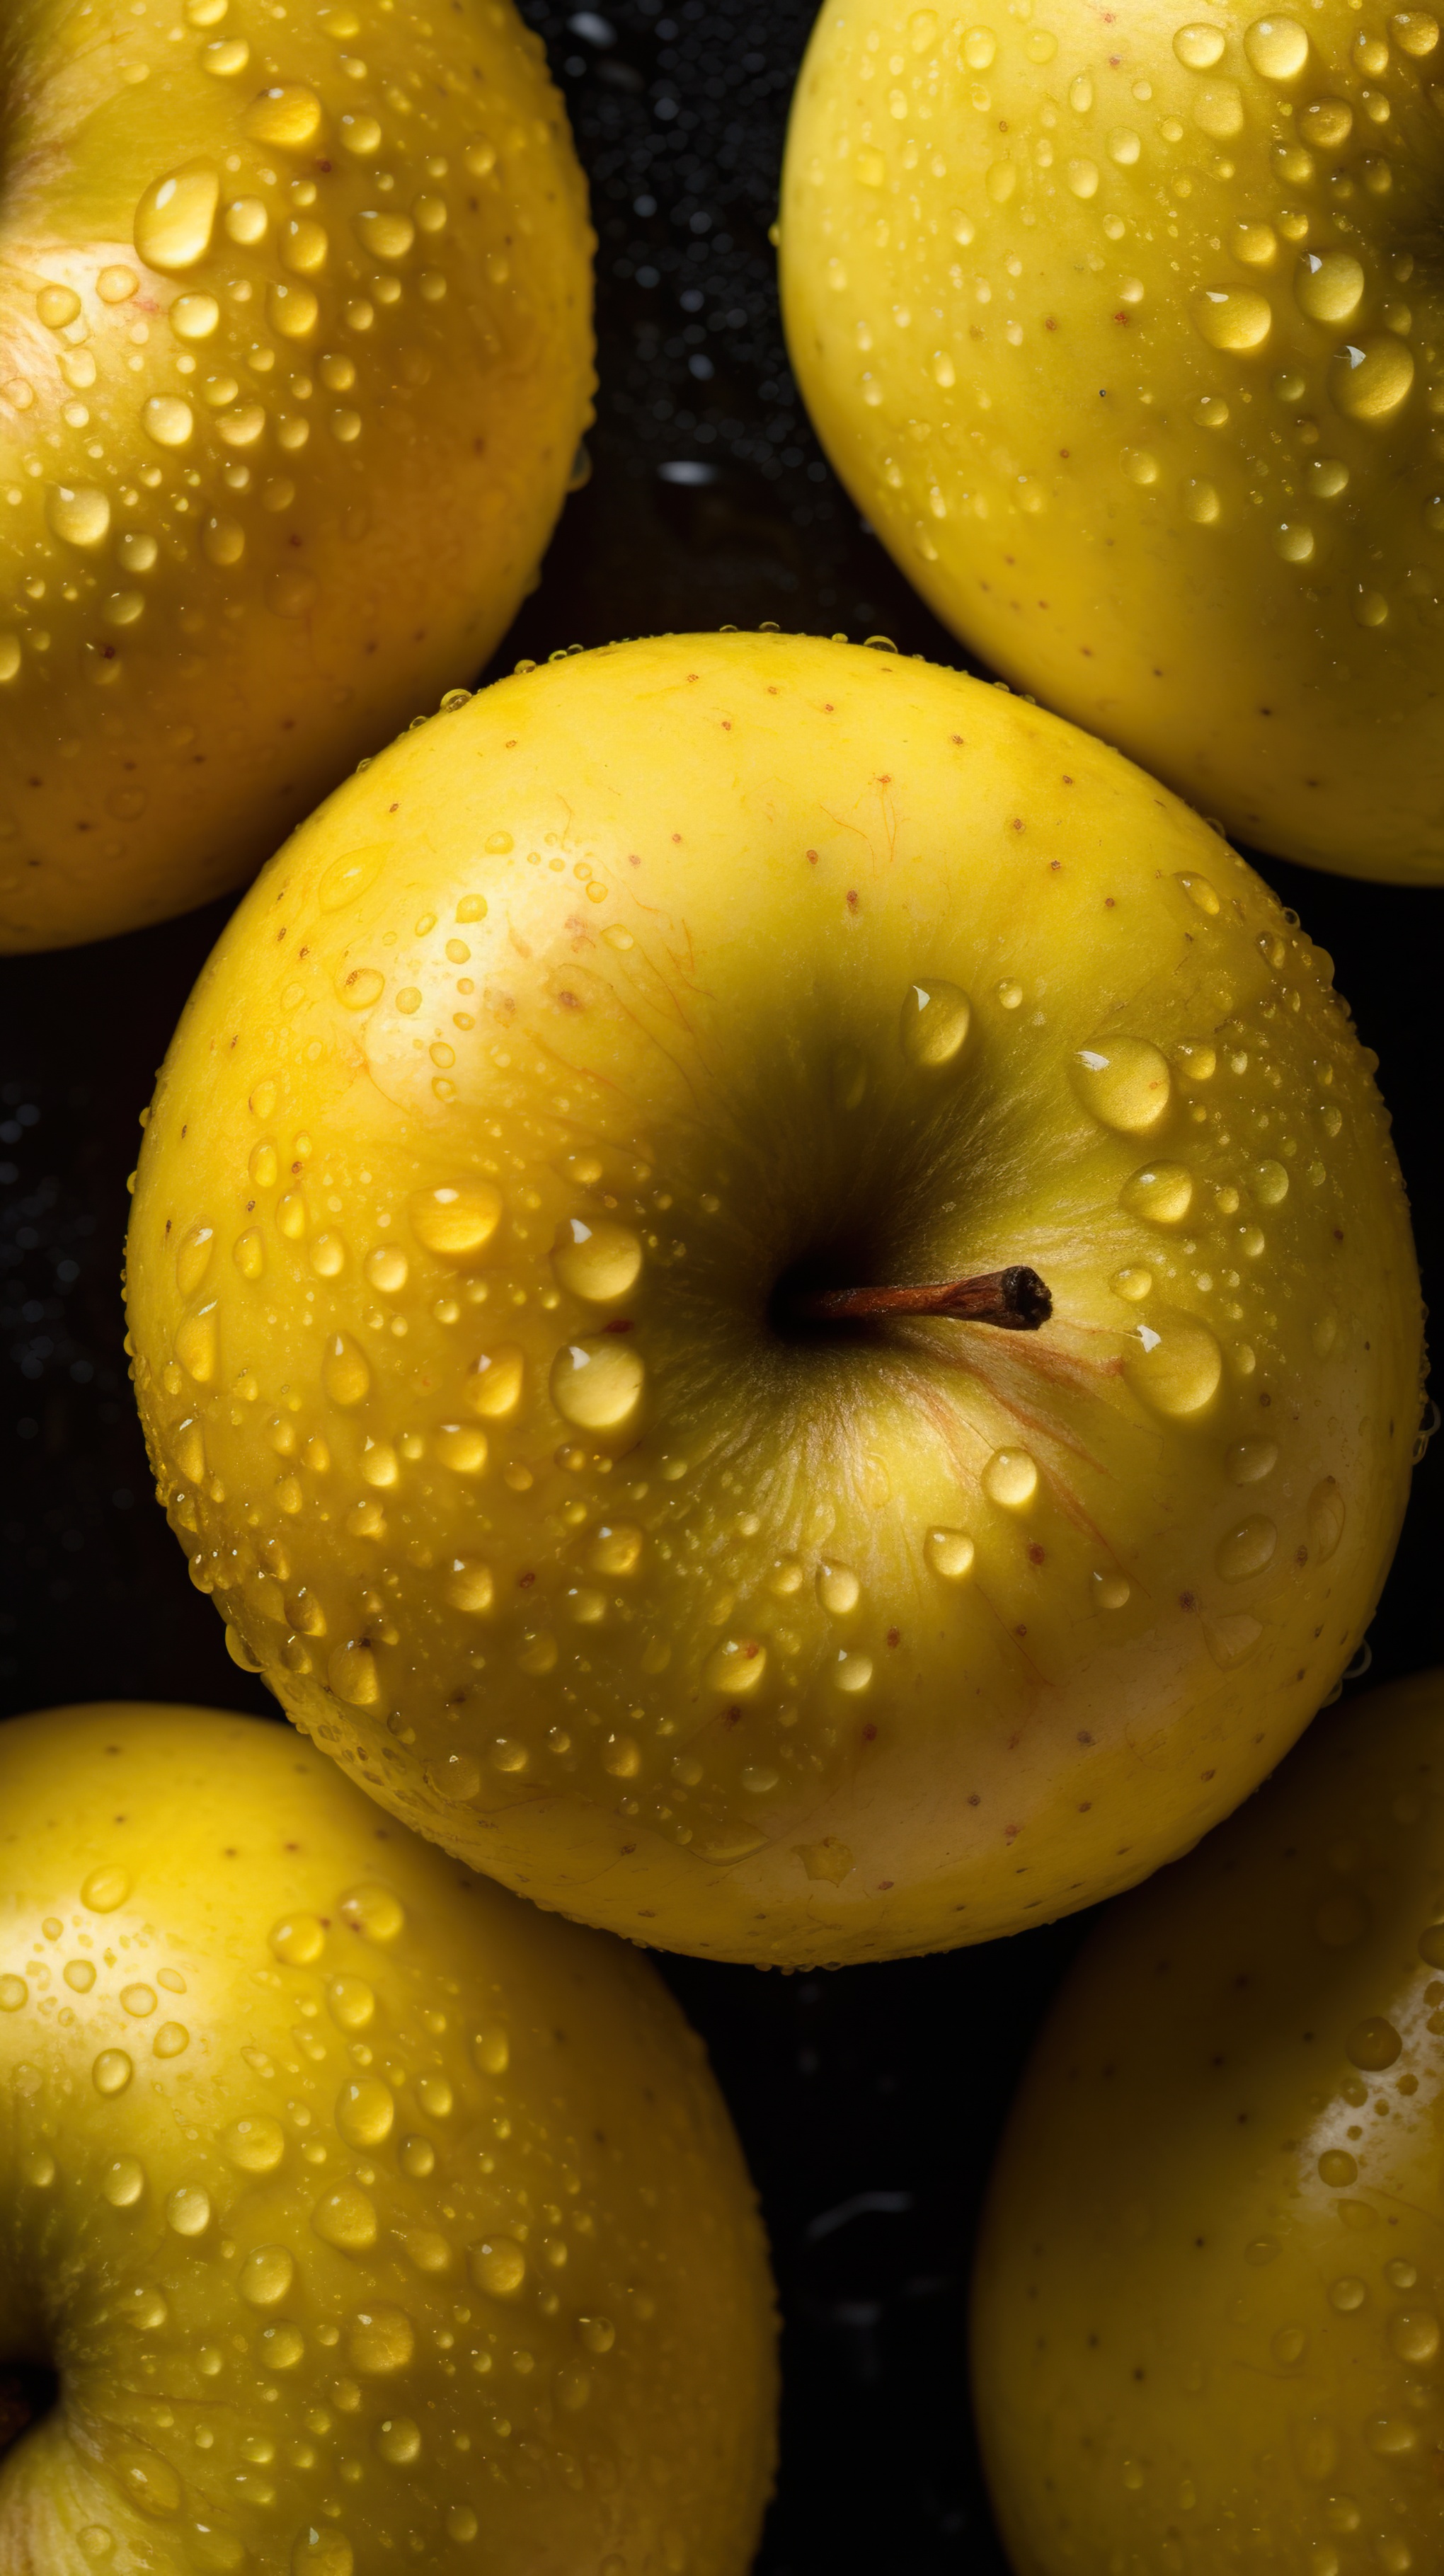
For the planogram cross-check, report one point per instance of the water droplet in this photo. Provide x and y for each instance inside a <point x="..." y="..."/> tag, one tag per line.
<point x="617" y="1549"/>
<point x="1198" y="48"/>
<point x="838" y="1590"/>
<point x="950" y="1553"/>
<point x="936" y="1017"/>
<point x="347" y="878"/>
<point x="14" y="1993"/>
<point x="297" y="1939"/>
<point x="1414" y="2336"/>
<point x="597" y="1385"/>
<point x="1124" y="1082"/>
<point x="353" y="1676"/>
<point x="138" y="2001"/>
<point x="80" y="1975"/>
<point x="1234" y="318"/>
<point x="173" y="2039"/>
<point x="1347" y="2295"/>
<point x="385" y="236"/>
<point x="78" y="514"/>
<point x="318" y="2552"/>
<point x="1011" y="1478"/>
<point x="56" y="306"/>
<point x="346" y="2219"/>
<point x="112" y="2071"/>
<point x="1277" y="48"/>
<point x="1415" y="31"/>
<point x="1175" y="1363"/>
<point x="1373" y="2044"/>
<point x="498" y="2266"/>
<point x="1326" y="1518"/>
<point x="1161" y="1192"/>
<point x="600" y="1262"/>
<point x="399" y="2441"/>
<point x="460" y="1448"/>
<point x="365" y="2111"/>
<point x="469" y="1587"/>
<point x="1199" y="892"/>
<point x="736" y="1667"/>
<point x="373" y="1912"/>
<point x="122" y="2182"/>
<point x="494" y="1382"/>
<point x="1289" y="2345"/>
<point x="105" y="1889"/>
<point x="288" y="116"/>
<point x="176" y="217"/>
<point x="492" y="2051"/>
<point x="1246" y="1550"/>
<point x="1337" y="2169"/>
<point x="1368" y="380"/>
<point x="455" y="1223"/>
<point x="254" y="2145"/>
<point x="1250" y="1461"/>
<point x="188" y="2210"/>
<point x="358" y="989"/>
<point x="344" y="1370"/>
<point x="1326" y="123"/>
<point x="1329" y="285"/>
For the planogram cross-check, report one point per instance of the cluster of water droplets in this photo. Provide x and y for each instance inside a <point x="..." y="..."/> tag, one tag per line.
<point x="1261" y="182"/>
<point x="373" y="2284"/>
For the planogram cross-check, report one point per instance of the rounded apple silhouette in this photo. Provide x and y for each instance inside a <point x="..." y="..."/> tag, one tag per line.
<point x="296" y="324"/>
<point x="1214" y="2308"/>
<point x="362" y="2213"/>
<point x="1122" y="334"/>
<point x="534" y="1293"/>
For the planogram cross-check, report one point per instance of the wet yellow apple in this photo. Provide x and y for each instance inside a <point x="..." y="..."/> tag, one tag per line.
<point x="522" y="1124"/>
<point x="295" y="352"/>
<point x="1207" y="2312"/>
<point x="1121" y="331"/>
<point x="364" y="2215"/>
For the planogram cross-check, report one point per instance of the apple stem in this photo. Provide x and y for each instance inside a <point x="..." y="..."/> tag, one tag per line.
<point x="1015" y="1299"/>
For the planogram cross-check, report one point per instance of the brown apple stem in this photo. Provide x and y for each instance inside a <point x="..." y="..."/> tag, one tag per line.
<point x="1016" y="1300"/>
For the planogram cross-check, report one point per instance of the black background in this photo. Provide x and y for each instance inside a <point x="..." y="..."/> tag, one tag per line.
<point x="887" y="2081"/>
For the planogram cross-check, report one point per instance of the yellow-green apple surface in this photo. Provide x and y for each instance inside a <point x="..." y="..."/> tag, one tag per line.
<point x="1124" y="330"/>
<point x="1209" y="2290"/>
<point x="295" y="351"/>
<point x="530" y="1111"/>
<point x="365" y="2216"/>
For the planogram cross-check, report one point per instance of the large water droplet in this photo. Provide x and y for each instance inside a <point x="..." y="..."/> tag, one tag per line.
<point x="78" y="514"/>
<point x="736" y="1667"/>
<point x="105" y="1888"/>
<point x="297" y="1939"/>
<point x="456" y="1223"/>
<point x="1174" y="1363"/>
<point x="380" y="2340"/>
<point x="176" y="217"/>
<point x="1277" y="48"/>
<point x="950" y="1553"/>
<point x="600" y="1261"/>
<point x="1247" y="1549"/>
<point x="1011" y="1478"/>
<point x="122" y="2182"/>
<point x="373" y="1912"/>
<point x="1369" y="379"/>
<point x="936" y="1017"/>
<point x="353" y="1676"/>
<point x="112" y="2071"/>
<point x="254" y="2145"/>
<point x="1125" y="1082"/>
<point x="1235" y="318"/>
<point x="365" y="2111"/>
<point x="597" y="1385"/>
<point x="494" y="1382"/>
<point x="497" y="2266"/>
<point x="288" y="116"/>
<point x="345" y="1373"/>
<point x="1198" y="47"/>
<point x="346" y="2219"/>
<point x="1161" y="1192"/>
<point x="1329" y="285"/>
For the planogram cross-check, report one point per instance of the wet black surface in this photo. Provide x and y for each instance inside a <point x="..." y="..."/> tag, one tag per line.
<point x="868" y="2101"/>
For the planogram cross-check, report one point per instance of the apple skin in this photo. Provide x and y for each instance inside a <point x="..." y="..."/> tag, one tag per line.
<point x="1209" y="2281"/>
<point x="419" y="2225"/>
<point x="632" y="944"/>
<point x="290" y="467"/>
<point x="998" y="244"/>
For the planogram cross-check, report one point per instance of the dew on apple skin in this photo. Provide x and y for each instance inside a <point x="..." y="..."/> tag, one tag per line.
<point x="345" y="1371"/>
<point x="1125" y="1082"/>
<point x="596" y="1385"/>
<point x="936" y="1018"/>
<point x="105" y="1889"/>
<point x="112" y="2072"/>
<point x="1247" y="1549"/>
<point x="1249" y="1462"/>
<point x="838" y="1590"/>
<point x="78" y="515"/>
<point x="458" y="1221"/>
<point x="254" y="2144"/>
<point x="950" y="1553"/>
<point x="599" y="1261"/>
<point x="1011" y="1478"/>
<point x="176" y="217"/>
<point x="1160" y="1192"/>
<point x="1174" y="1363"/>
<point x="1199" y="47"/>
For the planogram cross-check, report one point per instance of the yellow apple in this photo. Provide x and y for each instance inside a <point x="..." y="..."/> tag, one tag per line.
<point x="1209" y="2290"/>
<point x="1120" y="329"/>
<point x="364" y="2215"/>
<point x="527" y="1110"/>
<point x="295" y="351"/>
